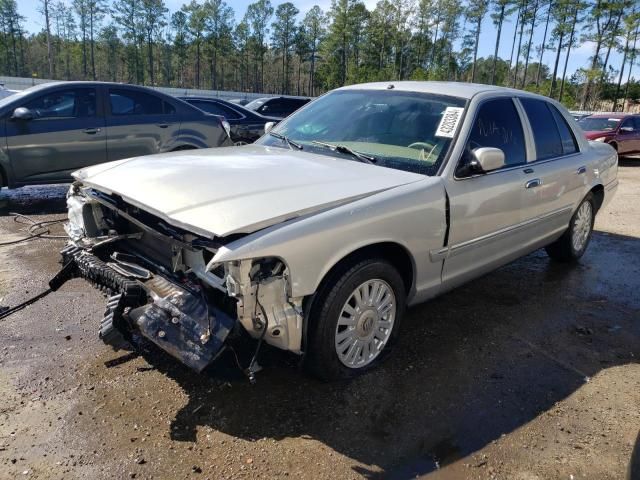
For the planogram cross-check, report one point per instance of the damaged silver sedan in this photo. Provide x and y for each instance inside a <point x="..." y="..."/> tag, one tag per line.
<point x="316" y="238"/>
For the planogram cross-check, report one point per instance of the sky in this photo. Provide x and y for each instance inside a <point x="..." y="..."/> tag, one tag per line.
<point x="579" y="57"/>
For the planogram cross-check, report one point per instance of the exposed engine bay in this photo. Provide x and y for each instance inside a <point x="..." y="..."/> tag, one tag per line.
<point x="162" y="282"/>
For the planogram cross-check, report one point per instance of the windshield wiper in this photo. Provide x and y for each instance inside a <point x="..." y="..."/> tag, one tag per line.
<point x="363" y="157"/>
<point x="288" y="141"/>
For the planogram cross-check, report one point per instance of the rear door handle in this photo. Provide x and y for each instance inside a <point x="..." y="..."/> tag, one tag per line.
<point x="536" y="182"/>
<point x="91" y="131"/>
<point x="163" y="125"/>
<point x="581" y="170"/>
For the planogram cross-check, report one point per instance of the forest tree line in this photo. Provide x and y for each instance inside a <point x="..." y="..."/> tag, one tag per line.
<point x="278" y="49"/>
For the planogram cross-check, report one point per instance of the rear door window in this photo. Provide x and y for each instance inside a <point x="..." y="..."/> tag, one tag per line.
<point x="497" y="125"/>
<point x="131" y="102"/>
<point x="569" y="144"/>
<point x="545" y="131"/>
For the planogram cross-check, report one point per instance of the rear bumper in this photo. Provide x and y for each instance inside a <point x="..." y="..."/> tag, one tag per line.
<point x="175" y="314"/>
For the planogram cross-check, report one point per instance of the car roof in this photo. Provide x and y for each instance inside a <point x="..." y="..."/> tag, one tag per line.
<point x="86" y="83"/>
<point x="454" y="89"/>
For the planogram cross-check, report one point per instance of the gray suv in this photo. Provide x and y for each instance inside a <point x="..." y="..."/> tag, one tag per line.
<point x="50" y="130"/>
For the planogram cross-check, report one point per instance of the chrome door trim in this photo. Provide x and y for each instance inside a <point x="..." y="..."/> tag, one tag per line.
<point x="515" y="167"/>
<point x="444" y="253"/>
<point x="611" y="185"/>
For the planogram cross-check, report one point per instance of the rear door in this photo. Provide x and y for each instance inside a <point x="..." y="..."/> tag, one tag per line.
<point x="139" y="123"/>
<point x="558" y="169"/>
<point x="67" y="132"/>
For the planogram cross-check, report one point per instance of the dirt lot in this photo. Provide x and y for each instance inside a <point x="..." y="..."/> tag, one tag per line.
<point x="531" y="372"/>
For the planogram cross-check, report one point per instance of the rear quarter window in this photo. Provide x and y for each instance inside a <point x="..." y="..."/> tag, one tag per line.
<point x="569" y="144"/>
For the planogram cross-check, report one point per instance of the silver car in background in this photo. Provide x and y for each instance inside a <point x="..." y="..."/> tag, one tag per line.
<point x="52" y="129"/>
<point x="315" y="239"/>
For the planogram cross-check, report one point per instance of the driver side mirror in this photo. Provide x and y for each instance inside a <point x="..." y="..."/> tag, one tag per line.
<point x="483" y="160"/>
<point x="489" y="158"/>
<point x="627" y="129"/>
<point x="268" y="126"/>
<point x="22" y="113"/>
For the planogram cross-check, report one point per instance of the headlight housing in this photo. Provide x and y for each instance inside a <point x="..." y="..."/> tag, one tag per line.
<point x="600" y="139"/>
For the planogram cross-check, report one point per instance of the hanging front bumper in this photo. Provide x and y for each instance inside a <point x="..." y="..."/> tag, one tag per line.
<point x="174" y="314"/>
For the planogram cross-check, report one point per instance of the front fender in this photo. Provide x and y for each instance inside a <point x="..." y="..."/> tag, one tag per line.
<point x="412" y="216"/>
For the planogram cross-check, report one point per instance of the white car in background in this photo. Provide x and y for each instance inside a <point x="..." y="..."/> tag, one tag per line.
<point x="316" y="238"/>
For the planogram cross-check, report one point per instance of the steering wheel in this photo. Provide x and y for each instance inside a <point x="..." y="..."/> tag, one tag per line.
<point x="421" y="146"/>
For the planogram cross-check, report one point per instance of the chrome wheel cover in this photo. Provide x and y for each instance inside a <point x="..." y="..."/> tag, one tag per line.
<point x="365" y="323"/>
<point x="582" y="226"/>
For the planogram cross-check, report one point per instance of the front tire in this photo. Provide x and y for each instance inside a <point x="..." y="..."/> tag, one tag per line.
<point x="354" y="319"/>
<point x="574" y="242"/>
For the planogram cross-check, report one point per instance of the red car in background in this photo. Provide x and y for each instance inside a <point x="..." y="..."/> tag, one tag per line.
<point x="621" y="131"/>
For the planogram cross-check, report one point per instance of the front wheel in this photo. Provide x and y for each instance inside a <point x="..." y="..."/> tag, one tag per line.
<point x="573" y="243"/>
<point x="354" y="319"/>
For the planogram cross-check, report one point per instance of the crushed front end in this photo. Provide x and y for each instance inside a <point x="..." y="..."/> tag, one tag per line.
<point x="161" y="282"/>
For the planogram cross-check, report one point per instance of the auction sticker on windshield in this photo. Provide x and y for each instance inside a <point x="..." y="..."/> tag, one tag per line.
<point x="449" y="122"/>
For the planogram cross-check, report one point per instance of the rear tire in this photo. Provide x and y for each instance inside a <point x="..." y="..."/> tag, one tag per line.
<point x="183" y="148"/>
<point x="354" y="319"/>
<point x="574" y="242"/>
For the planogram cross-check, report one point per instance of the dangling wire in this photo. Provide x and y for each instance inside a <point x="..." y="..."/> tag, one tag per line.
<point x="35" y="229"/>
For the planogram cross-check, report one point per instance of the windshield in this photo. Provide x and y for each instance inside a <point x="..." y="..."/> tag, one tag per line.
<point x="599" y="124"/>
<point x="403" y="130"/>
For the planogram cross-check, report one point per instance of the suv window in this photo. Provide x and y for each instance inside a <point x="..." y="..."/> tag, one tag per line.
<point x="637" y="122"/>
<point x="77" y="103"/>
<point x="569" y="144"/>
<point x="497" y="125"/>
<point x="130" y="102"/>
<point x="545" y="131"/>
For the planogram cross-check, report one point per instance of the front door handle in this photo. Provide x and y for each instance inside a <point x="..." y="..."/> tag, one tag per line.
<point x="91" y="131"/>
<point x="581" y="170"/>
<point x="163" y="125"/>
<point x="536" y="182"/>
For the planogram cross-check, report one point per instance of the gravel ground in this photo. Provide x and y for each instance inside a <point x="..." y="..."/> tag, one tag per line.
<point x="531" y="372"/>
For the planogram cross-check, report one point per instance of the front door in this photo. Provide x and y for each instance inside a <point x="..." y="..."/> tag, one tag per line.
<point x="66" y="132"/>
<point x="488" y="211"/>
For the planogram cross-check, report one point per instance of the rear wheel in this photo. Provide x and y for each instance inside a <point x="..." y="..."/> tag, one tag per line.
<point x="573" y="243"/>
<point x="354" y="319"/>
